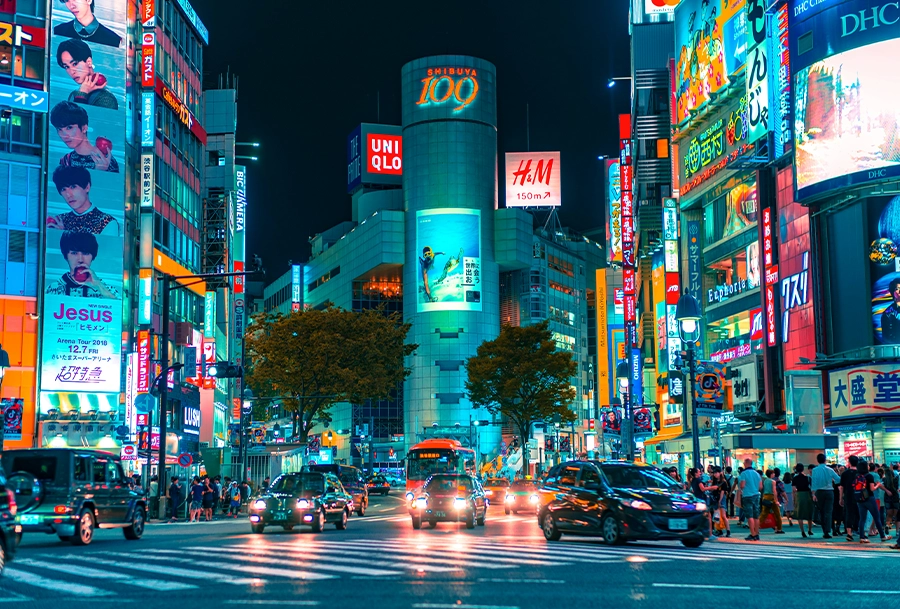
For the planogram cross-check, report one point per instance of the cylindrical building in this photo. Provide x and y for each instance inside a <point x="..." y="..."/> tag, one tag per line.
<point x="450" y="275"/>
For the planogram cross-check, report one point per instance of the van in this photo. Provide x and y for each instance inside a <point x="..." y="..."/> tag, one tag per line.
<point x="351" y="478"/>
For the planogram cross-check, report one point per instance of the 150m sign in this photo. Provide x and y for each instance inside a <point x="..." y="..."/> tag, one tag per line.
<point x="458" y="86"/>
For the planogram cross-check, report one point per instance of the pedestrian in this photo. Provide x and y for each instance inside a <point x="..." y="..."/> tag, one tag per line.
<point x="721" y="496"/>
<point x="154" y="486"/>
<point x="700" y="491"/>
<point x="822" y="479"/>
<point x="246" y="491"/>
<point x="837" y="514"/>
<point x="209" y="500"/>
<point x="770" y="503"/>
<point x="750" y="485"/>
<point x="864" y="488"/>
<point x="197" y="490"/>
<point x="889" y="481"/>
<point x="234" y="499"/>
<point x="729" y="478"/>
<point x="737" y="498"/>
<point x="803" y="507"/>
<point x="175" y="497"/>
<point x="265" y="485"/>
<point x="226" y="496"/>
<point x="848" y="502"/>
<point x="788" y="500"/>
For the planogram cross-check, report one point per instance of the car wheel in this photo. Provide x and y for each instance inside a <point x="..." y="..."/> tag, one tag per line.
<point x="417" y="522"/>
<point x="257" y="529"/>
<point x="480" y="521"/>
<point x="612" y="533"/>
<point x="288" y="527"/>
<point x="692" y="542"/>
<point x="319" y="522"/>
<point x="506" y="511"/>
<point x="84" y="529"/>
<point x="470" y="521"/>
<point x="135" y="530"/>
<point x="341" y="524"/>
<point x="551" y="531"/>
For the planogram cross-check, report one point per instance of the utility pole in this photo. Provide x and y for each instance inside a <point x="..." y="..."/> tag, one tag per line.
<point x="163" y="393"/>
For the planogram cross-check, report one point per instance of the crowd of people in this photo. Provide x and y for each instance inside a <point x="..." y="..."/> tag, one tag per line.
<point x="204" y="497"/>
<point x="857" y="498"/>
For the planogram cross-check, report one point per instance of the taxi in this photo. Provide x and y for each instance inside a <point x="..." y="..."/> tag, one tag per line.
<point x="449" y="498"/>
<point x="495" y="490"/>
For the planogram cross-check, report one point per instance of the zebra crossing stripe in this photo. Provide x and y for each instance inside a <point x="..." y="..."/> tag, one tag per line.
<point x="68" y="568"/>
<point x="30" y="579"/>
<point x="133" y="564"/>
<point x="311" y="550"/>
<point x="271" y="571"/>
<point x="264" y="555"/>
<point x="501" y="552"/>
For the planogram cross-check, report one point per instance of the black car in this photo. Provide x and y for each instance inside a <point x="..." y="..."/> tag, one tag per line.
<point x="378" y="484"/>
<point x="351" y="479"/>
<point x="8" y="526"/>
<point x="70" y="492"/>
<point x="449" y="498"/>
<point x="620" y="501"/>
<point x="302" y="499"/>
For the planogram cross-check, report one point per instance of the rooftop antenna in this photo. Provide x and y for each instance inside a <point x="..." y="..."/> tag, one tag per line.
<point x="378" y="105"/>
<point x="527" y="129"/>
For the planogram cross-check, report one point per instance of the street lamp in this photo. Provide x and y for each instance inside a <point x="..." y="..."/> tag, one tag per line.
<point x="687" y="314"/>
<point x="612" y="81"/>
<point x="623" y="374"/>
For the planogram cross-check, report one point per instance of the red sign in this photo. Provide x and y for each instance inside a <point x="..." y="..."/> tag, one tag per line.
<point x="148" y="60"/>
<point x="181" y="110"/>
<point x="726" y="355"/>
<point x="385" y="153"/>
<point x="771" y="337"/>
<point x="860" y="448"/>
<point x="8" y="6"/>
<point x="142" y="419"/>
<point x="143" y="371"/>
<point x="629" y="307"/>
<point x="16" y="35"/>
<point x="673" y="289"/>
<point x="756" y="324"/>
<point x="628" y="280"/>
<point x="238" y="279"/>
<point x="148" y="13"/>
<point x="767" y="236"/>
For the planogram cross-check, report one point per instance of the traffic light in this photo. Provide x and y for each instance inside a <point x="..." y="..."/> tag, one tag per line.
<point x="591" y="425"/>
<point x="391" y="453"/>
<point x="225" y="370"/>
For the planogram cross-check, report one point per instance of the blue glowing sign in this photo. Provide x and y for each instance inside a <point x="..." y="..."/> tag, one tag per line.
<point x="20" y="97"/>
<point x="148" y="114"/>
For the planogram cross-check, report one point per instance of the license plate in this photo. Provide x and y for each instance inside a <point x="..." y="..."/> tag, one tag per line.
<point x="441" y="514"/>
<point x="678" y="524"/>
<point x="280" y="516"/>
<point x="30" y="519"/>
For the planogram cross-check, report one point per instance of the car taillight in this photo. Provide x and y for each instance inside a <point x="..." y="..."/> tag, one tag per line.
<point x="60" y="509"/>
<point x="13" y="508"/>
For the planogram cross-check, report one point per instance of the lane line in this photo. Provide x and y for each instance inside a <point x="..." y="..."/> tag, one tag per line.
<point x="152" y="584"/>
<point x="166" y="570"/>
<point x="387" y="509"/>
<point x="234" y="601"/>
<point x="872" y="591"/>
<point x="460" y="606"/>
<point x="410" y="555"/>
<point x="698" y="586"/>
<point x="24" y="577"/>
<point x="497" y="580"/>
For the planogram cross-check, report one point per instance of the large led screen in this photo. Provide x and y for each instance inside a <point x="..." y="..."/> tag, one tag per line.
<point x="448" y="248"/>
<point x="82" y="314"/>
<point x="847" y="119"/>
<point x="884" y="235"/>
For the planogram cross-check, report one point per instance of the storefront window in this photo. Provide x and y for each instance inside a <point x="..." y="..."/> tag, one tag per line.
<point x="6" y="61"/>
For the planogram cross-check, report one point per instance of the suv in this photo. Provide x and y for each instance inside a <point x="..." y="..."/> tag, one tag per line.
<point x="351" y="478"/>
<point x="8" y="535"/>
<point x="72" y="491"/>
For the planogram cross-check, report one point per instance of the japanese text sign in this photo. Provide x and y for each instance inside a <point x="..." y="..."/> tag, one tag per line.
<point x="532" y="179"/>
<point x="865" y="390"/>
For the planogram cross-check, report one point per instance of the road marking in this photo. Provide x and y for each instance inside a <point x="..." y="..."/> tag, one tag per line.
<point x="261" y="555"/>
<point x="164" y="570"/>
<point x="387" y="509"/>
<point x="407" y="551"/>
<point x="699" y="586"/>
<point x="234" y="601"/>
<point x="497" y="580"/>
<point x="871" y="591"/>
<point x="327" y="553"/>
<point x="152" y="584"/>
<point x="417" y="561"/>
<point x="288" y="573"/>
<point x="23" y="577"/>
<point x="455" y="606"/>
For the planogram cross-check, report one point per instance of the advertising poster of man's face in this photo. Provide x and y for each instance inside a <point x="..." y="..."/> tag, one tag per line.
<point x="84" y="265"/>
<point x="884" y="246"/>
<point x="85" y="24"/>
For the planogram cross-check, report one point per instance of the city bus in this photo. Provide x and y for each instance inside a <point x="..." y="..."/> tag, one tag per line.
<point x="437" y="456"/>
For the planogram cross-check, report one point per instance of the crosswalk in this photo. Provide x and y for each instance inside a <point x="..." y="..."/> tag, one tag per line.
<point x="261" y="561"/>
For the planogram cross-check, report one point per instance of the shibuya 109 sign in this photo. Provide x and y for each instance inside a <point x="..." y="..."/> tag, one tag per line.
<point x="456" y="86"/>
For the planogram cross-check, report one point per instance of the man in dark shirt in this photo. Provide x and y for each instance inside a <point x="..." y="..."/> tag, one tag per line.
<point x="890" y="319"/>
<point x="76" y="58"/>
<point x="71" y="124"/>
<point x="848" y="500"/>
<point x="85" y="26"/>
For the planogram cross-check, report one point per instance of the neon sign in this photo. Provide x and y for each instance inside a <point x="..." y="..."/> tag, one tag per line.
<point x="181" y="110"/>
<point x="442" y="84"/>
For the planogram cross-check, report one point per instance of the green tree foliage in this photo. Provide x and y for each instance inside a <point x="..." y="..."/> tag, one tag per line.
<point x="522" y="376"/>
<point x="317" y="358"/>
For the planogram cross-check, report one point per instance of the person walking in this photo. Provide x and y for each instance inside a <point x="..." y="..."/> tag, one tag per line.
<point x="737" y="498"/>
<point x="803" y="507"/>
<point x="822" y="480"/>
<point x="848" y="502"/>
<point x="721" y="496"/>
<point x="864" y="488"/>
<point x="730" y="479"/>
<point x="770" y="503"/>
<point x="750" y="486"/>
<point x="234" y="499"/>
<point x="174" y="496"/>
<point x="889" y="480"/>
<point x="699" y="490"/>
<point x="209" y="500"/>
<point x="837" y="515"/>
<point x="197" y="490"/>
<point x="788" y="502"/>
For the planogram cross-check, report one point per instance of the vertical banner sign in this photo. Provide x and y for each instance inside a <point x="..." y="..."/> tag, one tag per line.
<point x="148" y="60"/>
<point x="143" y="362"/>
<point x="448" y="247"/>
<point x="626" y="180"/>
<point x="757" y="79"/>
<point x="240" y="208"/>
<point x="82" y="310"/>
<point x="780" y="92"/>
<point x="148" y="13"/>
<point x="147" y="180"/>
<point x="209" y="315"/>
<point x="614" y="194"/>
<point x="693" y="282"/>
<point x="673" y="341"/>
<point x="145" y="296"/>
<point x="636" y="387"/>
<point x="296" y="287"/>
<point x="602" y="312"/>
<point x="771" y="272"/>
<point x="148" y="118"/>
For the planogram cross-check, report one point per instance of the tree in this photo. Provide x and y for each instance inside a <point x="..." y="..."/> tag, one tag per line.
<point x="522" y="376"/>
<point x="316" y="358"/>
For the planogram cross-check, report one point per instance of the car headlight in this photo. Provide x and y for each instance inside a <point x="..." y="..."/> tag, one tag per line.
<point x="638" y="504"/>
<point x="488" y="492"/>
<point x="421" y="503"/>
<point x="460" y="503"/>
<point x="510" y="498"/>
<point x="534" y="499"/>
<point x="410" y="496"/>
<point x="700" y="506"/>
<point x="259" y="504"/>
<point x="302" y="504"/>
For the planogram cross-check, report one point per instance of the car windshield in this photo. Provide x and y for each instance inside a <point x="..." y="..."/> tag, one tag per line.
<point x="448" y="484"/>
<point x="637" y="477"/>
<point x="522" y="485"/>
<point x="304" y="485"/>
<point x="349" y="479"/>
<point x="497" y="482"/>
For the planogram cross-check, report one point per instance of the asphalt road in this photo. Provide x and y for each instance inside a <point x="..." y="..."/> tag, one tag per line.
<point x="381" y="562"/>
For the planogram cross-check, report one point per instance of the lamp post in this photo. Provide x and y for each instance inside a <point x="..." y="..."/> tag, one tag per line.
<point x="623" y="374"/>
<point x="687" y="314"/>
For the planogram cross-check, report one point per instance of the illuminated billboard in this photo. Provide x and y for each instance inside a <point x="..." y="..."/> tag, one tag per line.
<point x="532" y="179"/>
<point x="657" y="7"/>
<point x="711" y="39"/>
<point x="614" y="195"/>
<point x="374" y="156"/>
<point x="85" y="205"/>
<point x="448" y="249"/>
<point x="846" y="123"/>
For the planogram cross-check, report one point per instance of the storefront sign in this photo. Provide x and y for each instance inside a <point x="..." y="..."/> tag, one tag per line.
<point x="532" y="179"/>
<point x="636" y="386"/>
<point x="859" y="448"/>
<point x="794" y="294"/>
<point x="16" y="35"/>
<point x="726" y="355"/>
<point x="709" y="385"/>
<point x="191" y="14"/>
<point x="11" y="412"/>
<point x="757" y="73"/>
<point x="768" y="251"/>
<point x="209" y="315"/>
<point x="671" y="254"/>
<point x="296" y="287"/>
<point x="143" y="361"/>
<point x="865" y="390"/>
<point x="148" y="119"/>
<point x="780" y="93"/>
<point x="20" y="97"/>
<point x="148" y="13"/>
<point x="455" y="86"/>
<point x="614" y="194"/>
<point x="192" y="418"/>
<point x="147" y="180"/>
<point x="670" y="223"/>
<point x="181" y="110"/>
<point x="148" y="59"/>
<point x="745" y="385"/>
<point x="721" y="293"/>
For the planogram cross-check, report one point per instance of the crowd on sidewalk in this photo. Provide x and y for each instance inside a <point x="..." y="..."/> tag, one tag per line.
<point x="204" y="497"/>
<point x="859" y="497"/>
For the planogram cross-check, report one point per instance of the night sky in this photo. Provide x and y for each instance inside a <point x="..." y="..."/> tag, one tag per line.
<point x="309" y="72"/>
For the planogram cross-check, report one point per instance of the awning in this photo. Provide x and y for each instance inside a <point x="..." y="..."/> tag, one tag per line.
<point x="665" y="434"/>
<point x="755" y="441"/>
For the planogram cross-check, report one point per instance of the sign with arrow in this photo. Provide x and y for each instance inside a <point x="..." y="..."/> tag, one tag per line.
<point x="532" y="179"/>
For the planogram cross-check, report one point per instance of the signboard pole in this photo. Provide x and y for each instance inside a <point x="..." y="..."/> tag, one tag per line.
<point x="163" y="388"/>
<point x="695" y="430"/>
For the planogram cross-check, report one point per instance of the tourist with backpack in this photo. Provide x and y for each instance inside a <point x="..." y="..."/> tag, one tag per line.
<point x="864" y="487"/>
<point x="234" y="497"/>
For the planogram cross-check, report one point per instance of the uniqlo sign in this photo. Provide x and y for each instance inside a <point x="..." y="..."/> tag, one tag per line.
<point x="148" y="59"/>
<point x="143" y="364"/>
<point x="384" y="153"/>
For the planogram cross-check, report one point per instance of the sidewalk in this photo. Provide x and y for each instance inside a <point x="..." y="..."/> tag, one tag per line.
<point x="792" y="538"/>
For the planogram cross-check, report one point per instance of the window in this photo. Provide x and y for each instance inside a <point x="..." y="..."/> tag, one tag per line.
<point x="113" y="475"/>
<point x="589" y="474"/>
<point x="82" y="467"/>
<point x="99" y="475"/>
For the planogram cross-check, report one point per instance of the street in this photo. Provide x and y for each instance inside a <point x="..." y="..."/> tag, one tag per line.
<point x="380" y="561"/>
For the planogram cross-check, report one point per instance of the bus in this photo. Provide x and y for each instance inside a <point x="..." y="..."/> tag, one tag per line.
<point x="437" y="456"/>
